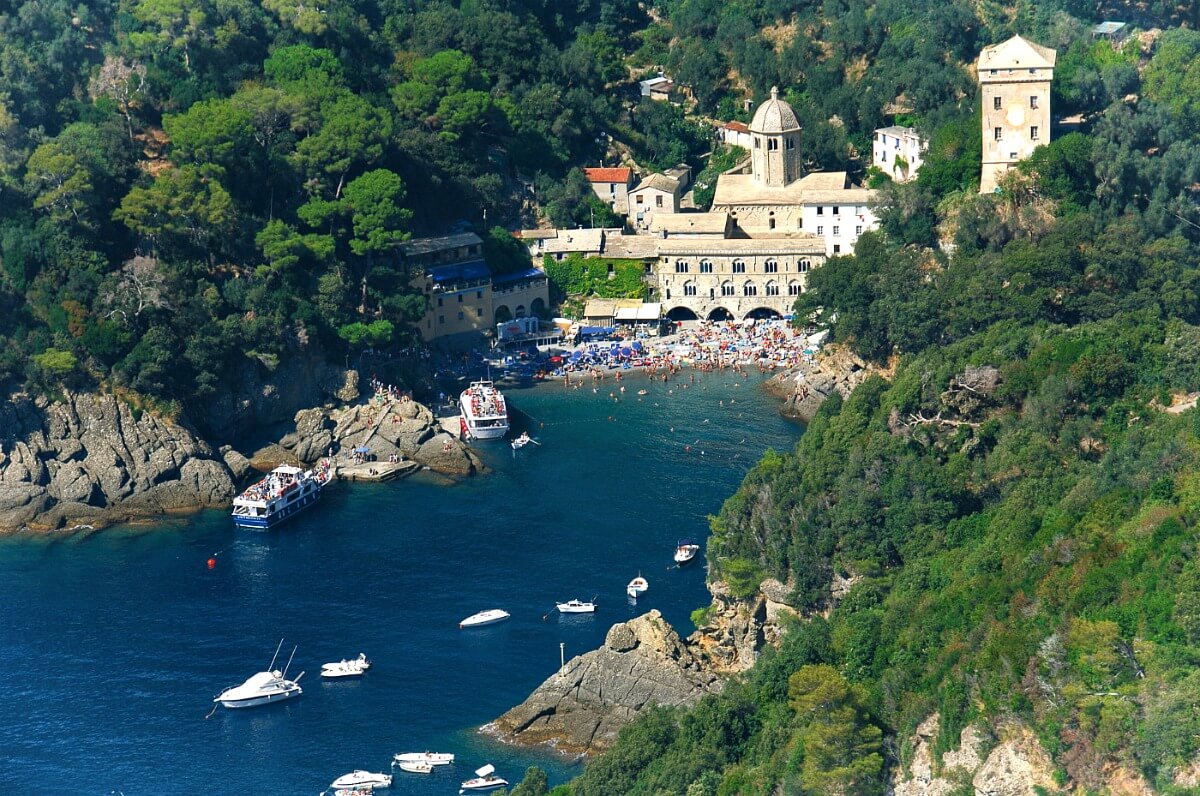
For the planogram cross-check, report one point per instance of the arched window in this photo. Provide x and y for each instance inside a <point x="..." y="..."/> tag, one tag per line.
<point x="689" y="288"/>
<point x="804" y="266"/>
<point x="706" y="267"/>
<point x="793" y="288"/>
<point x="771" y="266"/>
<point x="739" y="267"/>
<point x="726" y="288"/>
<point x="772" y="288"/>
<point x="749" y="289"/>
<point x="681" y="266"/>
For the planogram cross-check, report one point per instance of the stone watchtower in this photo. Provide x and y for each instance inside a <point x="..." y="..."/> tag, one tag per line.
<point x="1015" y="80"/>
<point x="775" y="152"/>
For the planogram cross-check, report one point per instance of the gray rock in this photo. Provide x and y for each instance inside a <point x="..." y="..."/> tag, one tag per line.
<point x="87" y="459"/>
<point x="239" y="465"/>
<point x="583" y="708"/>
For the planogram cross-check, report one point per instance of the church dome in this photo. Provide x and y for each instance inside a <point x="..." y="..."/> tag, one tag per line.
<point x="774" y="116"/>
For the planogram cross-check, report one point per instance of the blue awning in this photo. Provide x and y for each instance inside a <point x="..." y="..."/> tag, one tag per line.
<point x="459" y="272"/>
<point x="518" y="276"/>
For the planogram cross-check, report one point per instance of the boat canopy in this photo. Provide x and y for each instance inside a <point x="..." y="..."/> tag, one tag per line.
<point x="485" y="771"/>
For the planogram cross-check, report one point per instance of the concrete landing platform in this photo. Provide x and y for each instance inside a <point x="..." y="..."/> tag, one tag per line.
<point x="375" y="471"/>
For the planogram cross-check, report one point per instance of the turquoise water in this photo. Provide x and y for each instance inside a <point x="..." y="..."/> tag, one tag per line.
<point x="112" y="644"/>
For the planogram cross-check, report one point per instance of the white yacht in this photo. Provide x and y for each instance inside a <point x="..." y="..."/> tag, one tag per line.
<point x="484" y="411"/>
<point x="415" y="767"/>
<point x="576" y="607"/>
<point x="362" y="779"/>
<point x="637" y="587"/>
<point x="685" y="551"/>
<point x="488" y="617"/>
<point x="428" y="758"/>
<point x="346" y="668"/>
<point x="263" y="688"/>
<point x="485" y="779"/>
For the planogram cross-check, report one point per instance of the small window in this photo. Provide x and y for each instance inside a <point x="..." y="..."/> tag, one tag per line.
<point x="460" y="315"/>
<point x="640" y="199"/>
<point x="739" y="267"/>
<point x="994" y="72"/>
<point x="820" y="230"/>
<point x="804" y="266"/>
<point x="1033" y="101"/>
<point x="837" y="248"/>
<point x="478" y="294"/>
<point x="658" y="201"/>
<point x="998" y="133"/>
<point x="995" y="103"/>
<point x="837" y="210"/>
<point x="772" y="289"/>
<point x="837" y="231"/>
<point x="479" y="312"/>
<point x="1033" y="133"/>
<point x="820" y="210"/>
<point x="791" y="143"/>
<point x="793" y="288"/>
<point x="689" y="288"/>
<point x="706" y="267"/>
<point x="727" y="289"/>
<point x="681" y="267"/>
<point x="772" y="144"/>
<point x="749" y="289"/>
<point x="440" y="300"/>
<point x="771" y="267"/>
<point x="858" y="230"/>
<point x="770" y="223"/>
<point x="757" y="142"/>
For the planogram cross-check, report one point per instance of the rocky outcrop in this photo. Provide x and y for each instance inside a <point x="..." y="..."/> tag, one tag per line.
<point x="834" y="369"/>
<point x="261" y="393"/>
<point x="385" y="426"/>
<point x="582" y="708"/>
<point x="734" y="630"/>
<point x="88" y="459"/>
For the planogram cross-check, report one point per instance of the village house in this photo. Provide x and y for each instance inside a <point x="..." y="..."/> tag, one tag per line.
<point x="735" y="134"/>
<point x="898" y="152"/>
<point x="612" y="186"/>
<point x="450" y="270"/>
<point x="657" y="193"/>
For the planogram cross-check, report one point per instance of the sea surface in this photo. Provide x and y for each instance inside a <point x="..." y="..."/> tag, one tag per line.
<point x="113" y="643"/>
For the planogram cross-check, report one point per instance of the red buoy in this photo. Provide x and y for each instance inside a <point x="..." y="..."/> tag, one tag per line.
<point x="212" y="563"/>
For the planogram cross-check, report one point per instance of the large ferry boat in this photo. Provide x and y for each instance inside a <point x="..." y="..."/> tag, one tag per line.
<point x="285" y="491"/>
<point x="484" y="411"/>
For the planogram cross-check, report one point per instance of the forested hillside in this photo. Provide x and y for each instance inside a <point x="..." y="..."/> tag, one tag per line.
<point x="186" y="184"/>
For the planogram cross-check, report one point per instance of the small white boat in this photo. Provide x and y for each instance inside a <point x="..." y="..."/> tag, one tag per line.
<point x="523" y="440"/>
<point x="685" y="551"/>
<point x="576" y="607"/>
<point x="415" y="767"/>
<point x="637" y="587"/>
<point x="485" y="779"/>
<point x="362" y="779"/>
<point x="431" y="758"/>
<point x="488" y="617"/>
<point x="344" y="668"/>
<point x="263" y="688"/>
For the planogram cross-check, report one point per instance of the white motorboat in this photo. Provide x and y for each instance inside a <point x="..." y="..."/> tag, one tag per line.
<point x="576" y="607"/>
<point x="362" y="779"/>
<point x="415" y="767"/>
<point x="431" y="758"/>
<point x="488" y="617"/>
<point x="685" y="551"/>
<point x="485" y="779"/>
<point x="637" y="587"/>
<point x="484" y="411"/>
<point x="263" y="688"/>
<point x="346" y="668"/>
<point x="522" y="441"/>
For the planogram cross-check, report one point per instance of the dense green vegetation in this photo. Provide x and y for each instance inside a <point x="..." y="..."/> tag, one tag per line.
<point x="1016" y="508"/>
<point x="187" y="184"/>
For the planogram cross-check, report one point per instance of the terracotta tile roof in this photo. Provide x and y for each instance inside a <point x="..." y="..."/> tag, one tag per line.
<point x="620" y="175"/>
<point x="737" y="127"/>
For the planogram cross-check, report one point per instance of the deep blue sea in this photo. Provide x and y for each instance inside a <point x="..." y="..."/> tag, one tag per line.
<point x="113" y="643"/>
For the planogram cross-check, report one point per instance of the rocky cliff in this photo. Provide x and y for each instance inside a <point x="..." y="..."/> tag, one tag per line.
<point x="88" y="459"/>
<point x="834" y="369"/>
<point x="584" y="707"/>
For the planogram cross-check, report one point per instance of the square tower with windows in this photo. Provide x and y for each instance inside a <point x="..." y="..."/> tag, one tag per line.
<point x="1015" y="78"/>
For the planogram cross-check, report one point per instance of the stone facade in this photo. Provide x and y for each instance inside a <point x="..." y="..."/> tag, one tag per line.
<point x="723" y="279"/>
<point x="1015" y="78"/>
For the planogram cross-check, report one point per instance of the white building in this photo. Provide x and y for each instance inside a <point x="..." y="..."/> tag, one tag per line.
<point x="612" y="186"/>
<point x="735" y="134"/>
<point x="898" y="152"/>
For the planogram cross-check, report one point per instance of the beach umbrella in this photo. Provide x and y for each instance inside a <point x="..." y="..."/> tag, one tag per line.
<point x="626" y="352"/>
<point x="362" y="449"/>
<point x="637" y="345"/>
